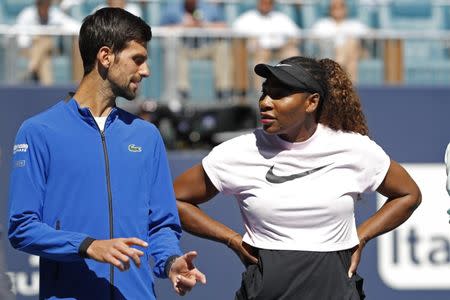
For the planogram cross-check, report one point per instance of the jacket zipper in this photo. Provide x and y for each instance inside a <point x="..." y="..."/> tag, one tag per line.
<point x="110" y="204"/>
<point x="110" y="207"/>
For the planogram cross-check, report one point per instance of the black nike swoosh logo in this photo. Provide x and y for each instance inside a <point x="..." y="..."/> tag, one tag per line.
<point x="272" y="178"/>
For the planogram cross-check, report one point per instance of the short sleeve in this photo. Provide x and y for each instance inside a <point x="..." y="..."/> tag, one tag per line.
<point x="374" y="164"/>
<point x="224" y="167"/>
<point x="211" y="164"/>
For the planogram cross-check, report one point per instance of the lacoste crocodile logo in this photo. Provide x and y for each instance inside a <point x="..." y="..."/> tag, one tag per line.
<point x="134" y="148"/>
<point x="272" y="178"/>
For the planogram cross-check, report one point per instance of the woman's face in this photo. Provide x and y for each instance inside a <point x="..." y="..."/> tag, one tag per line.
<point x="285" y="112"/>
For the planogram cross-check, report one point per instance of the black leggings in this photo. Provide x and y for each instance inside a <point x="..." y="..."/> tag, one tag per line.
<point x="300" y="275"/>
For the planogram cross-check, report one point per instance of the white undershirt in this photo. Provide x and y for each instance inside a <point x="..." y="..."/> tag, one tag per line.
<point x="100" y="122"/>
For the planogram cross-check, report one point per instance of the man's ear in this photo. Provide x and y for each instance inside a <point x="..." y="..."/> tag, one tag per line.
<point x="105" y="57"/>
<point x="312" y="102"/>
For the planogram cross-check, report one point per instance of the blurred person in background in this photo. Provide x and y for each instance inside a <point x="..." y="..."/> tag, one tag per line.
<point x="274" y="35"/>
<point x="193" y="14"/>
<point x="90" y="190"/>
<point x="133" y="8"/>
<point x="342" y="35"/>
<point x="297" y="181"/>
<point x="39" y="49"/>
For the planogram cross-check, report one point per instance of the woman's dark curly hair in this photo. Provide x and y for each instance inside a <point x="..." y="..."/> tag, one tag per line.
<point x="339" y="107"/>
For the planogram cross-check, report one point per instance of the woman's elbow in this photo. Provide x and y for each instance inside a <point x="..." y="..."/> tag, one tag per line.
<point x="183" y="208"/>
<point x="416" y="198"/>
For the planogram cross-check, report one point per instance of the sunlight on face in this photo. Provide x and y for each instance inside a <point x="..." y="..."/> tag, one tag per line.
<point x="282" y="110"/>
<point x="129" y="68"/>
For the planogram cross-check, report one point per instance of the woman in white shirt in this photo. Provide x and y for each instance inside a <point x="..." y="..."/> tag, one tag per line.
<point x="296" y="180"/>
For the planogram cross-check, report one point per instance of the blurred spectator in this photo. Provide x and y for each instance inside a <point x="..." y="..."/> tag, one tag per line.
<point x="133" y="8"/>
<point x="344" y="35"/>
<point x="39" y="49"/>
<point x="198" y="14"/>
<point x="274" y="34"/>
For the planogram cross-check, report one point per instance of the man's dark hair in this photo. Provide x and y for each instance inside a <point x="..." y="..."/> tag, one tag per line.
<point x="112" y="27"/>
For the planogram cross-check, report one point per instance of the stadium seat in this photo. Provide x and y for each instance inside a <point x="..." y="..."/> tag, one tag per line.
<point x="152" y="12"/>
<point x="231" y="11"/>
<point x="289" y="10"/>
<point x="202" y="81"/>
<point x="371" y="72"/>
<point x="412" y="15"/>
<point x="2" y="15"/>
<point x="62" y="69"/>
<point x="420" y="50"/>
<point x="245" y="5"/>
<point x="435" y="72"/>
<point x="154" y="87"/>
<point x="90" y="5"/>
<point x="11" y="8"/>
<point x="447" y="17"/>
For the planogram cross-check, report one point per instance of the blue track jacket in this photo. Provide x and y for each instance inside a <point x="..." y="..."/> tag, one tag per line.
<point x="70" y="182"/>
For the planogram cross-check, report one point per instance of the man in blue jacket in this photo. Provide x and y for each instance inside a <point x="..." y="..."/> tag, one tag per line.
<point x="90" y="187"/>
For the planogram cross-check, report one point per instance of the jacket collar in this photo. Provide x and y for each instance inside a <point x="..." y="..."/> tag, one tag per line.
<point x="85" y="114"/>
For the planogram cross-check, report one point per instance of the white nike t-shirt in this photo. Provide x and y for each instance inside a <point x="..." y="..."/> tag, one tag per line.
<point x="298" y="196"/>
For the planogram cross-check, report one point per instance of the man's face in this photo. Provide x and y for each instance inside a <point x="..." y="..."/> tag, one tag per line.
<point x="265" y="6"/>
<point x="128" y="68"/>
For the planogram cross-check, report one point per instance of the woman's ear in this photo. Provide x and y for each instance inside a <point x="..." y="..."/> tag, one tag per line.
<point x="312" y="102"/>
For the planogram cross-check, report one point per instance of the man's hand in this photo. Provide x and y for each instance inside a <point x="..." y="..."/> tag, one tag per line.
<point x="244" y="251"/>
<point x="117" y="252"/>
<point x="184" y="275"/>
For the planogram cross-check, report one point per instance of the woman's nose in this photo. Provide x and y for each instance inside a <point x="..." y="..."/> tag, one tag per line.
<point x="265" y="102"/>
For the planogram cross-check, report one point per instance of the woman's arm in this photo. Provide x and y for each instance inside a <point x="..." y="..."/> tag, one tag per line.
<point x="193" y="187"/>
<point x="403" y="198"/>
